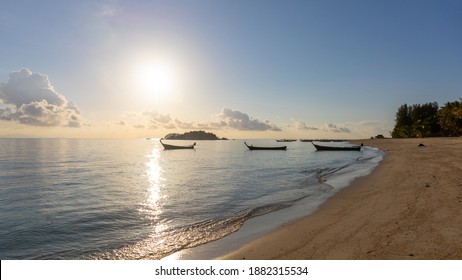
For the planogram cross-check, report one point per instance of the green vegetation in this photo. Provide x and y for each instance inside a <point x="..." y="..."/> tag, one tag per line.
<point x="428" y="120"/>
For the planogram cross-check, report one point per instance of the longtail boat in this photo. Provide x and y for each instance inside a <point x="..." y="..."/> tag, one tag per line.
<point x="336" y="148"/>
<point x="285" y="140"/>
<point x="252" y="147"/>
<point x="174" y="147"/>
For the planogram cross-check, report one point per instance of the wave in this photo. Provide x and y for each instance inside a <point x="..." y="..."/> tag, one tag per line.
<point x="159" y="245"/>
<point x="317" y="183"/>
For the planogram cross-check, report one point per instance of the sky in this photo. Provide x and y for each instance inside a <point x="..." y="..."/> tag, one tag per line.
<point x="240" y="69"/>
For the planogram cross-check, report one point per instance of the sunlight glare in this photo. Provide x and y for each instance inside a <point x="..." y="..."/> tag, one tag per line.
<point x="156" y="78"/>
<point x="152" y="206"/>
<point x="154" y="177"/>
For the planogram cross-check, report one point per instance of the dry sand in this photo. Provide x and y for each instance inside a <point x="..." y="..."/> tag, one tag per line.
<point x="409" y="207"/>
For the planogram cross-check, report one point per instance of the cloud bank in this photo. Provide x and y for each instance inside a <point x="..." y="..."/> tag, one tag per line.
<point x="328" y="127"/>
<point x="227" y="119"/>
<point x="242" y="121"/>
<point x="31" y="99"/>
<point x="334" y="128"/>
<point x="303" y="126"/>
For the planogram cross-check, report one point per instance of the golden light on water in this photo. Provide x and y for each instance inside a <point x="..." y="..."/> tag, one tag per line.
<point x="154" y="171"/>
<point x="153" y="206"/>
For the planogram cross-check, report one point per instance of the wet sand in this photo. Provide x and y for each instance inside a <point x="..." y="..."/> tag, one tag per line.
<point x="409" y="207"/>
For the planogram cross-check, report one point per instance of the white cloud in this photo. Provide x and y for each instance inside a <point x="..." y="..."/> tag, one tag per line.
<point x="159" y="120"/>
<point x="33" y="100"/>
<point x="6" y="114"/>
<point x="334" y="128"/>
<point x="328" y="127"/>
<point x="303" y="126"/>
<point x="227" y="119"/>
<point x="242" y="121"/>
<point x="362" y="129"/>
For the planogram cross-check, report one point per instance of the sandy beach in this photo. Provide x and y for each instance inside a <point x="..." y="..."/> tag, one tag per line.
<point x="409" y="207"/>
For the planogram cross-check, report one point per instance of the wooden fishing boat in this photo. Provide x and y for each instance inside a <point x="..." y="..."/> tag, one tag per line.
<point x="252" y="147"/>
<point x="336" y="148"/>
<point x="175" y="147"/>
<point x="286" y="140"/>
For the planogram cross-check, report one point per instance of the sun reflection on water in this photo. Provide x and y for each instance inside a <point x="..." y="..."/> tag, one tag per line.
<point x="152" y="207"/>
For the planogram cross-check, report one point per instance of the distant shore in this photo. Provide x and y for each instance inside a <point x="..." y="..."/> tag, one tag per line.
<point x="409" y="207"/>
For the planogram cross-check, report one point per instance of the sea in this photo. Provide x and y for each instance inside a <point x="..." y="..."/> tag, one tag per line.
<point x="131" y="199"/>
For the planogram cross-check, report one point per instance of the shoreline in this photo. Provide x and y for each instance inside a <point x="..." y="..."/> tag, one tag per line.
<point x="409" y="207"/>
<point x="261" y="225"/>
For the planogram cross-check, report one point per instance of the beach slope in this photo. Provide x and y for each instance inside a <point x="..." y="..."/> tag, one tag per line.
<point x="409" y="207"/>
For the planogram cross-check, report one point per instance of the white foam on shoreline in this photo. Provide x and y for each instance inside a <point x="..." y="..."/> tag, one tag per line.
<point x="261" y="225"/>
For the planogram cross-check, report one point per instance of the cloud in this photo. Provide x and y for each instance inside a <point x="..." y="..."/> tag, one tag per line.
<point x="184" y="125"/>
<point x="157" y="117"/>
<point x="362" y="129"/>
<point x="227" y="119"/>
<point x="328" y="127"/>
<point x="6" y="114"/>
<point x="242" y="121"/>
<point x="33" y="100"/>
<point x="334" y="128"/>
<point x="159" y="120"/>
<point x="303" y="126"/>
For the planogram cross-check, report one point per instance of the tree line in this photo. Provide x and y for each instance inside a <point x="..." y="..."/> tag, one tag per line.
<point x="428" y="120"/>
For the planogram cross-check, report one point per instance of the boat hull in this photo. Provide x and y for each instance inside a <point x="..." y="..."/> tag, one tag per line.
<point x="331" y="148"/>
<point x="175" y="147"/>
<point x="254" y="148"/>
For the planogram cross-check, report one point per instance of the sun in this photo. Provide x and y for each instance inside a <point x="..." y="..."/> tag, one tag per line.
<point x="155" y="78"/>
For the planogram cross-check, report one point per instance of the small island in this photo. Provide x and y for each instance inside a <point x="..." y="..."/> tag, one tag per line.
<point x="193" y="135"/>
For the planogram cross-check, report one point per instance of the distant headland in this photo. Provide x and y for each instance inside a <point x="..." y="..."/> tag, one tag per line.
<point x="193" y="135"/>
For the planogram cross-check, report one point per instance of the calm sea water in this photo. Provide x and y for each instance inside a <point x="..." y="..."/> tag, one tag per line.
<point x="130" y="199"/>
